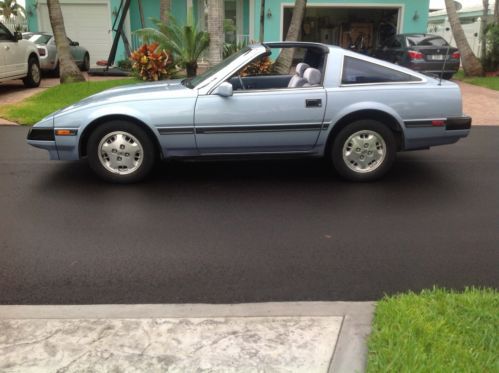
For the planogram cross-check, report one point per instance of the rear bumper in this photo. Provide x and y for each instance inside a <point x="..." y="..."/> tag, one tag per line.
<point x="432" y="132"/>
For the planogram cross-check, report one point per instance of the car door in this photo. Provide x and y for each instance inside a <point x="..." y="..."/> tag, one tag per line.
<point x="14" y="63"/>
<point x="260" y="121"/>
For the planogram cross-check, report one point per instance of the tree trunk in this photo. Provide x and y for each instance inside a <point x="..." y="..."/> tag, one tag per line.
<point x="471" y="64"/>
<point x="216" y="30"/>
<point x="261" y="37"/>
<point x="164" y="10"/>
<point x="496" y="12"/>
<point x="483" y="30"/>
<point x="68" y="70"/>
<point x="285" y="59"/>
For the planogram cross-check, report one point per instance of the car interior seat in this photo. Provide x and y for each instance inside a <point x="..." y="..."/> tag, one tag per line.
<point x="298" y="80"/>
<point x="312" y="76"/>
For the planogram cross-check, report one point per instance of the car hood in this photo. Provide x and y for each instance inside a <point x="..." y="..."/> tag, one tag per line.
<point x="168" y="89"/>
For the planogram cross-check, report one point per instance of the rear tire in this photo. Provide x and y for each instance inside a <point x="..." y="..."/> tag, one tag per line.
<point x="447" y="76"/>
<point x="364" y="150"/>
<point x="120" y="152"/>
<point x="34" y="76"/>
<point x="86" y="63"/>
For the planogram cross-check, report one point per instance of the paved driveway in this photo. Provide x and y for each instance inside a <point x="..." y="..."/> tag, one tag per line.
<point x="231" y="232"/>
<point x="481" y="103"/>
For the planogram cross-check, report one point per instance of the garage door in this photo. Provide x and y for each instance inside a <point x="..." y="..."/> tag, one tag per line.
<point x="86" y="23"/>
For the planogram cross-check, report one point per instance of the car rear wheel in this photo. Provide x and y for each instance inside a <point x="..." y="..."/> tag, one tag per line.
<point x="120" y="152"/>
<point x="86" y="63"/>
<point x="447" y="76"/>
<point x="34" y="76"/>
<point x="364" y="150"/>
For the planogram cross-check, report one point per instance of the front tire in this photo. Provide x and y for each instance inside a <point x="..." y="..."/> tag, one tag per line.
<point x="364" y="150"/>
<point x="120" y="152"/>
<point x="34" y="76"/>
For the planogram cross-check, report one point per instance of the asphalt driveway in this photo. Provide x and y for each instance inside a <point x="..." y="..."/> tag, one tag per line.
<point x="231" y="232"/>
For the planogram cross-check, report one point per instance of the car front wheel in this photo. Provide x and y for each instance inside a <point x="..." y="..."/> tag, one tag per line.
<point x="120" y="152"/>
<point x="34" y="76"/>
<point x="364" y="150"/>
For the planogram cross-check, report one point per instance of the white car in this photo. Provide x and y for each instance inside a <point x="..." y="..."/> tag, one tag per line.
<point x="18" y="59"/>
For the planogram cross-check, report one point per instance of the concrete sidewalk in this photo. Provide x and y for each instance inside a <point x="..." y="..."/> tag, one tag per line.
<point x="257" y="337"/>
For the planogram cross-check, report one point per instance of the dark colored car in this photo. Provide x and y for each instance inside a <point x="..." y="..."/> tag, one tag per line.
<point x="425" y="53"/>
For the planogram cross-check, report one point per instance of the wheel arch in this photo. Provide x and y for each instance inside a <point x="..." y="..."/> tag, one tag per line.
<point x="33" y="54"/>
<point x="373" y="114"/>
<point x="83" y="141"/>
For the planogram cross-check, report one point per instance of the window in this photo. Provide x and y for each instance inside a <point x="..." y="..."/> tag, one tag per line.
<point x="5" y="34"/>
<point x="356" y="71"/>
<point x="263" y="73"/>
<point x="426" y="40"/>
<point x="40" y="38"/>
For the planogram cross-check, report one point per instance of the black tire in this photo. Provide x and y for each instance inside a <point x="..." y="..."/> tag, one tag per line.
<point x="34" y="76"/>
<point x="145" y="142"/>
<point x="57" y="71"/>
<point x="85" y="66"/>
<point x="447" y="76"/>
<point x="374" y="170"/>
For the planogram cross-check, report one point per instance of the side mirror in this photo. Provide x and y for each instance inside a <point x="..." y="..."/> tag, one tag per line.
<point x="18" y="36"/>
<point x="225" y="90"/>
<point x="74" y="44"/>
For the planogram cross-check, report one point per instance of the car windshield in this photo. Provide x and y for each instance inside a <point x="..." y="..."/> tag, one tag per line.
<point x="192" y="82"/>
<point x="426" y="40"/>
<point x="40" y="39"/>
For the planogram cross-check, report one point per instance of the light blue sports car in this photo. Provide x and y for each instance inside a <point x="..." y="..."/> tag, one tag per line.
<point x="324" y="101"/>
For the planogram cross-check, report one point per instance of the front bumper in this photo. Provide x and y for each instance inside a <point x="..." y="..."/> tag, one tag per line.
<point x="44" y="138"/>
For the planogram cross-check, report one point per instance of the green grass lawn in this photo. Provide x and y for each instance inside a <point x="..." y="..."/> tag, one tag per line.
<point x="436" y="331"/>
<point x="34" y="108"/>
<point x="491" y="82"/>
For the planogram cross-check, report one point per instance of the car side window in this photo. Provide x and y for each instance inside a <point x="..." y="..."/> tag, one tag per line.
<point x="303" y="70"/>
<point x="5" y="35"/>
<point x="396" y="43"/>
<point x="357" y="71"/>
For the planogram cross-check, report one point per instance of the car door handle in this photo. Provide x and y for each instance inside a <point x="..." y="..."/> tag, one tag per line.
<point x="313" y="103"/>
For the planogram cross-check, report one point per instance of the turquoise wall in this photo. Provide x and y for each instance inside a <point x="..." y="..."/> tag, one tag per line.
<point x="273" y="24"/>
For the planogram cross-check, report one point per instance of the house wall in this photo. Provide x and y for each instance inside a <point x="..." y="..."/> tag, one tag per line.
<point x="273" y="25"/>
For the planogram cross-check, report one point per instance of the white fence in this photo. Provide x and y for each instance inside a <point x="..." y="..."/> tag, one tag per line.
<point x="15" y="23"/>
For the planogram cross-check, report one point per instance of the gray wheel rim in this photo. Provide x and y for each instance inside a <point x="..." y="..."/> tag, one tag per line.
<point x="35" y="73"/>
<point x="120" y="153"/>
<point x="364" y="151"/>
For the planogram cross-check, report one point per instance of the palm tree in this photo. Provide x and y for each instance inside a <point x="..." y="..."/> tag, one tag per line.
<point x="68" y="70"/>
<point x="483" y="29"/>
<point x="186" y="43"/>
<point x="471" y="64"/>
<point x="11" y="7"/>
<point x="262" y="21"/>
<point x="285" y="59"/>
<point x="215" y="23"/>
<point x="164" y="10"/>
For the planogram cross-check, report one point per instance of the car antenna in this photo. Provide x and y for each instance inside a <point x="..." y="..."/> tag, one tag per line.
<point x="446" y="56"/>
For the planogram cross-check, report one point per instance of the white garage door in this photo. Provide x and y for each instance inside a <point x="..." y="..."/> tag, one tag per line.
<point x="86" y="22"/>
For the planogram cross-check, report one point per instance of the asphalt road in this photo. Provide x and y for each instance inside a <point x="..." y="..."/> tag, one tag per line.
<point x="232" y="232"/>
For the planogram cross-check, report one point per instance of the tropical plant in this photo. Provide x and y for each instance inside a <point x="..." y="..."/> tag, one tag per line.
<point x="186" y="43"/>
<point x="150" y="63"/>
<point x="10" y="8"/>
<point x="471" y="64"/>
<point x="261" y="66"/>
<point x="231" y="48"/>
<point x="491" y="60"/>
<point x="68" y="71"/>
<point x="285" y="59"/>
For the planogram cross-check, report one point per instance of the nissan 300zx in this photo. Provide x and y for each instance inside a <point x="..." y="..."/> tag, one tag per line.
<point x="352" y="109"/>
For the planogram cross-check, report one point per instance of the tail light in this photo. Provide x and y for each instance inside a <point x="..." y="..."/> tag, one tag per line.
<point x="413" y="55"/>
<point x="456" y="55"/>
<point x="42" y="52"/>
